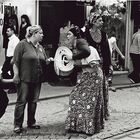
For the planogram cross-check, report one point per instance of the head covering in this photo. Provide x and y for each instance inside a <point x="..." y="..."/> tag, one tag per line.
<point x="94" y="16"/>
<point x="76" y="31"/>
<point x="73" y="30"/>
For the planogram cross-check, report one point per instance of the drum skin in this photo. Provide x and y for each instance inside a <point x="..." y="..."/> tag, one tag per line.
<point x="62" y="65"/>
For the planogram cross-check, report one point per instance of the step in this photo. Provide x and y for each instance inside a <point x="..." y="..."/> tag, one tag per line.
<point x="120" y="78"/>
<point x="120" y="73"/>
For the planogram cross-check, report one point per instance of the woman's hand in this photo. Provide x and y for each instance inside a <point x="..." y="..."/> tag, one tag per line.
<point x="16" y="79"/>
<point x="50" y="59"/>
<point x="77" y="63"/>
<point x="123" y="57"/>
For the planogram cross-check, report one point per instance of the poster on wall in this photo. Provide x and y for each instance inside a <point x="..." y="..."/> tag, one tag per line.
<point x="7" y="9"/>
<point x="9" y="19"/>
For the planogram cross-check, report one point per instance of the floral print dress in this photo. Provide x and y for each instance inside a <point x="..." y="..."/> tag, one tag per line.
<point x="86" y="104"/>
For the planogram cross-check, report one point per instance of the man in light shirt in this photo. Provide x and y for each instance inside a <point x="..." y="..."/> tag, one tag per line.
<point x="7" y="69"/>
<point x="134" y="51"/>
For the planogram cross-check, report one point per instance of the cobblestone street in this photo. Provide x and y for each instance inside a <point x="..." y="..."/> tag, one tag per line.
<point x="51" y="114"/>
<point x="57" y="43"/>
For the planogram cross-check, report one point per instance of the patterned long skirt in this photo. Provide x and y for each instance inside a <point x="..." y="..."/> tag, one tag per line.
<point x="86" y="104"/>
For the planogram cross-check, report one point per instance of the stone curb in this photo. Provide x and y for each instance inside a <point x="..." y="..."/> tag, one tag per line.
<point x="45" y="98"/>
<point x="123" y="133"/>
<point x="114" y="88"/>
<point x="116" y="134"/>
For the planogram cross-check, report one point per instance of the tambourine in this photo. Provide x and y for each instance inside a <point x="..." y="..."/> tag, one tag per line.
<point x="62" y="65"/>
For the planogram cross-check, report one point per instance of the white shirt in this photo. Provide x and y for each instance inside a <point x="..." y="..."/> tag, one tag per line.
<point x="93" y="57"/>
<point x="111" y="41"/>
<point x="135" y="46"/>
<point x="13" y="41"/>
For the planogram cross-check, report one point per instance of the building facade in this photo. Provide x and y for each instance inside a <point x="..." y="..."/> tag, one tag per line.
<point x="51" y="15"/>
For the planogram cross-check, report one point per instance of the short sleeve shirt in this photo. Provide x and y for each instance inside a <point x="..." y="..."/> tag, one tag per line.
<point x="111" y="41"/>
<point x="30" y="61"/>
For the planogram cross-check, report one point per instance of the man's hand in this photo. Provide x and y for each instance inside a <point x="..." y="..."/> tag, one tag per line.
<point x="16" y="79"/>
<point x="12" y="61"/>
<point x="50" y="59"/>
<point x="123" y="57"/>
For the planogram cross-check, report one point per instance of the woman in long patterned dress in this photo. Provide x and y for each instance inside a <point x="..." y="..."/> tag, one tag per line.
<point x="97" y="38"/>
<point x="85" y="113"/>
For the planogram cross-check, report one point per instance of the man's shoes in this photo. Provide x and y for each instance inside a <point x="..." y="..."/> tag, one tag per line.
<point x="17" y="129"/>
<point x="34" y="126"/>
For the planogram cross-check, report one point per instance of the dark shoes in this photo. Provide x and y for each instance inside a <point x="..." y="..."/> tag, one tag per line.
<point x="89" y="134"/>
<point x="34" y="126"/>
<point x="17" y="129"/>
<point x="73" y="131"/>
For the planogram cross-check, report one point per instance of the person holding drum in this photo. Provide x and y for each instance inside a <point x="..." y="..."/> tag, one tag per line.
<point x="85" y="113"/>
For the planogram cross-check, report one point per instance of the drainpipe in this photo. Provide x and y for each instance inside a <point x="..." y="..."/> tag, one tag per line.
<point x="37" y="12"/>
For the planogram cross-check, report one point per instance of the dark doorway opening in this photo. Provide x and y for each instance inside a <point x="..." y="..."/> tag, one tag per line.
<point x="52" y="15"/>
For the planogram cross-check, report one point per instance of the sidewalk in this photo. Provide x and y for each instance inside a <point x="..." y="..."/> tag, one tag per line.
<point x="124" y="122"/>
<point x="125" y="114"/>
<point x="120" y="81"/>
<point x="124" y="108"/>
<point x="47" y="92"/>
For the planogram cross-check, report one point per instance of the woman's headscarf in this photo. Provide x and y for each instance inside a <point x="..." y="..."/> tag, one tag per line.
<point x="93" y="17"/>
<point x="76" y="31"/>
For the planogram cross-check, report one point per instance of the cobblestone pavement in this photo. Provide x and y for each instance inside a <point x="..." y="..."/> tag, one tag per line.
<point x="51" y="114"/>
